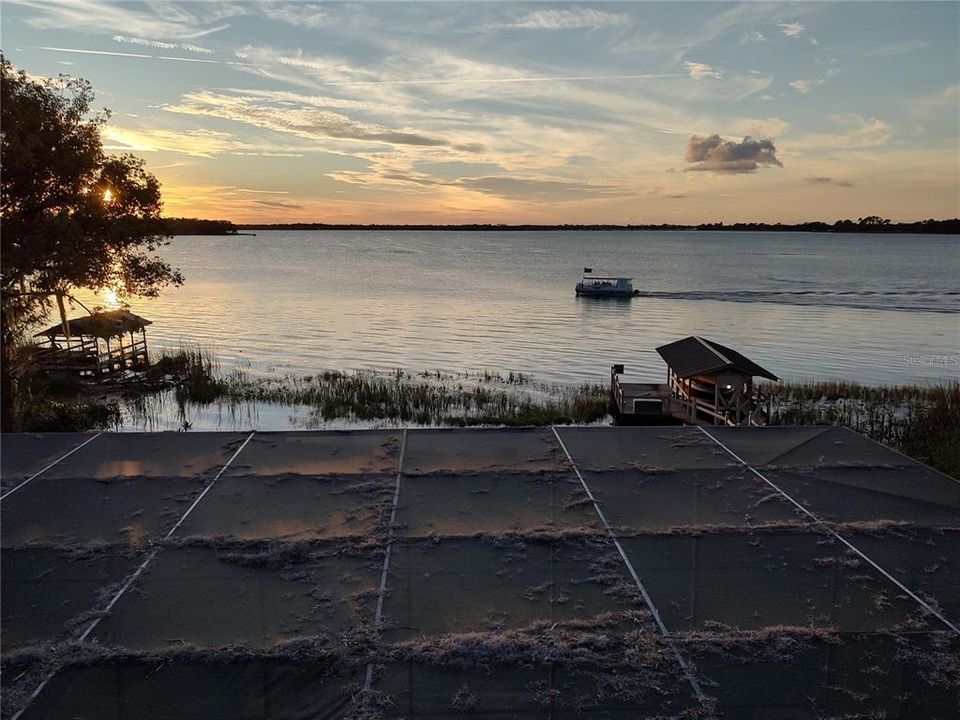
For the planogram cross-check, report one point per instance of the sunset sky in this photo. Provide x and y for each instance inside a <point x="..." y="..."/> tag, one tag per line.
<point x="520" y="112"/>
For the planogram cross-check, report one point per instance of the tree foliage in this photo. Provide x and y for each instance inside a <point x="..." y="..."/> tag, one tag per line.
<point x="72" y="216"/>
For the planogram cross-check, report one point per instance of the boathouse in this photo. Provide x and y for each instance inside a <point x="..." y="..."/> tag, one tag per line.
<point x="96" y="346"/>
<point x="714" y="382"/>
<point x="707" y="383"/>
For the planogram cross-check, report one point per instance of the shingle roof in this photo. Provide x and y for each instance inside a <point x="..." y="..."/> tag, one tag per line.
<point x="695" y="355"/>
<point x="102" y="324"/>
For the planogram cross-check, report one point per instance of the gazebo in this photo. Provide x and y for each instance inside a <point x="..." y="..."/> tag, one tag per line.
<point x="713" y="381"/>
<point x="97" y="346"/>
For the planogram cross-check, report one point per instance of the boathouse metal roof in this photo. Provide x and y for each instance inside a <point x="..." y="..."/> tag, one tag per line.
<point x="695" y="355"/>
<point x="102" y="324"/>
<point x="536" y="573"/>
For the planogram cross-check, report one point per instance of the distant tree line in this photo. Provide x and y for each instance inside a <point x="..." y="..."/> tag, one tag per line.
<point x="870" y="224"/>
<point x="196" y="226"/>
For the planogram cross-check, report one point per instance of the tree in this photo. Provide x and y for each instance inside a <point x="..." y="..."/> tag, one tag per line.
<point x="72" y="216"/>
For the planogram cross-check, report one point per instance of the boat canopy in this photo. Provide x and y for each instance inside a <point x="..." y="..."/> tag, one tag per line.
<point x="605" y="279"/>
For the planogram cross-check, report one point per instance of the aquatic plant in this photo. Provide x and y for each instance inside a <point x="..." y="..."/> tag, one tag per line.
<point x="922" y="421"/>
<point x="427" y="398"/>
<point x="70" y="416"/>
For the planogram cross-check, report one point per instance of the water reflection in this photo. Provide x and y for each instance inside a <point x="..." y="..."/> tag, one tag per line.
<point x="302" y="302"/>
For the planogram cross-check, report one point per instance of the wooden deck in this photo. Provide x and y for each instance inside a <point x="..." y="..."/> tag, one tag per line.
<point x="656" y="404"/>
<point x="646" y="404"/>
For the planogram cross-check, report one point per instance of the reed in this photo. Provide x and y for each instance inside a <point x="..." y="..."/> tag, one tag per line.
<point x="922" y="421"/>
<point x="436" y="397"/>
<point x="440" y="399"/>
<point x="194" y="371"/>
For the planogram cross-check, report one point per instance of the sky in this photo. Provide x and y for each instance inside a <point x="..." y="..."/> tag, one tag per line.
<point x="498" y="112"/>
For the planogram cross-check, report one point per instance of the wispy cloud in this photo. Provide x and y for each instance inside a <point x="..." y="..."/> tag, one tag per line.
<point x="495" y="80"/>
<point x="861" y="133"/>
<point x="797" y="30"/>
<point x="279" y="205"/>
<point x="157" y="44"/>
<point x="734" y="18"/>
<point x="948" y="97"/>
<point x="533" y="188"/>
<point x="201" y="143"/>
<point x="142" y="56"/>
<point x="159" y="20"/>
<point x="309" y="123"/>
<point x="262" y="192"/>
<point x="793" y="29"/>
<point x="897" y="49"/>
<point x="823" y="180"/>
<point x="512" y="187"/>
<point x="804" y="86"/>
<point x="298" y="14"/>
<point x="422" y="67"/>
<point x="700" y="71"/>
<point x="760" y="127"/>
<point x="80" y="51"/>
<point x="438" y="109"/>
<point x="575" y="19"/>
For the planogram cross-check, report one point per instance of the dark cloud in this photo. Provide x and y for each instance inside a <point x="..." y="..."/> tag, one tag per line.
<point x="510" y="187"/>
<point x="304" y="121"/>
<point x="470" y="147"/>
<point x="827" y="181"/>
<point x="402" y="177"/>
<point x="513" y="187"/>
<point x="714" y="154"/>
<point x="279" y="205"/>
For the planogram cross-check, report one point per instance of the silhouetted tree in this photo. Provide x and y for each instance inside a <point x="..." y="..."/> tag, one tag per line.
<point x="72" y="215"/>
<point x="198" y="226"/>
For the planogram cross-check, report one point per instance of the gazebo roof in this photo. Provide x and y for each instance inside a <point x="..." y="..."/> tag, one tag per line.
<point x="695" y="355"/>
<point x="103" y="324"/>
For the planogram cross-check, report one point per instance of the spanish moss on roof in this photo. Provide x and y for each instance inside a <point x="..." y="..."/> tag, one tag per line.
<point x="695" y="355"/>
<point x="102" y="324"/>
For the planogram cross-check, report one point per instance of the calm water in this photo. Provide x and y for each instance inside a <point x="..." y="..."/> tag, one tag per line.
<point x="880" y="309"/>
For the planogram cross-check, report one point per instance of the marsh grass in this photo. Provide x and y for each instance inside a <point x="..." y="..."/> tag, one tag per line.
<point x="361" y="396"/>
<point x="55" y="402"/>
<point x="922" y="421"/>
<point x="193" y="371"/>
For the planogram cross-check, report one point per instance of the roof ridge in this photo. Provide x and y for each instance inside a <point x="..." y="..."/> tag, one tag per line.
<point x="709" y="346"/>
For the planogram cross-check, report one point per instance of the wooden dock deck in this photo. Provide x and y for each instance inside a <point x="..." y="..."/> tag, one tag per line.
<point x="645" y="404"/>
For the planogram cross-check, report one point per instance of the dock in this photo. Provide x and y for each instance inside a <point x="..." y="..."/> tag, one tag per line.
<point x="551" y="572"/>
<point x="707" y="384"/>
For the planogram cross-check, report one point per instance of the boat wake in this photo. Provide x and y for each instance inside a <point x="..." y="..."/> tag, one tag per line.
<point x="906" y="300"/>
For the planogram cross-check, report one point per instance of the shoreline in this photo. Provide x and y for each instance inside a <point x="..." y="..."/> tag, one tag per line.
<point x="189" y="391"/>
<point x="937" y="227"/>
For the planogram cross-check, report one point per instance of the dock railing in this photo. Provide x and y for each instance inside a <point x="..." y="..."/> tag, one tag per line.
<point x="616" y="391"/>
<point x="691" y="407"/>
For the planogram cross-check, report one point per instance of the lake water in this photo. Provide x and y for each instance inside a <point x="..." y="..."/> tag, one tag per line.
<point x="873" y="308"/>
